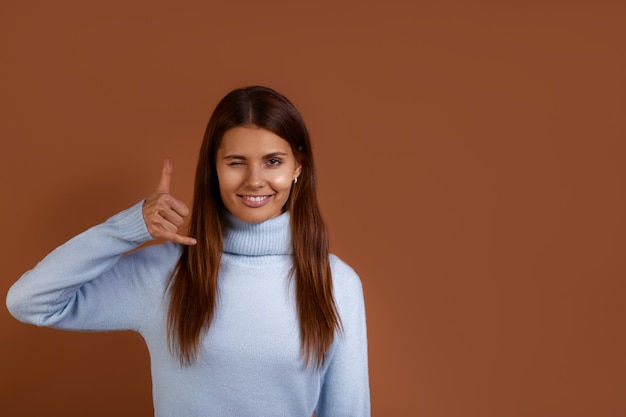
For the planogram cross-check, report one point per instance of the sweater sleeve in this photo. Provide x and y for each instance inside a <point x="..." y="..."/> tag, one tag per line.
<point x="87" y="283"/>
<point x="345" y="377"/>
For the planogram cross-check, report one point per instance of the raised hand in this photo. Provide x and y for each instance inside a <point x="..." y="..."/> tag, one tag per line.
<point x="163" y="213"/>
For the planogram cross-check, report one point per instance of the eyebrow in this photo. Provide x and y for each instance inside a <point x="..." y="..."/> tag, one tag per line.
<point x="269" y="155"/>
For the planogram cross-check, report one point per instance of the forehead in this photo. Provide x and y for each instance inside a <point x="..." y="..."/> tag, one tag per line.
<point x="250" y="141"/>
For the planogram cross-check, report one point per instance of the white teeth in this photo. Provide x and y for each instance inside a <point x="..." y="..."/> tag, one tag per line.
<point x="256" y="199"/>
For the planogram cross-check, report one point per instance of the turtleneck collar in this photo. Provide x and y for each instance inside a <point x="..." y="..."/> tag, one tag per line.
<point x="271" y="237"/>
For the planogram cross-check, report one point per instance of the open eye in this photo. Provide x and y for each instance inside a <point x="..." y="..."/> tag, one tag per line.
<point x="274" y="162"/>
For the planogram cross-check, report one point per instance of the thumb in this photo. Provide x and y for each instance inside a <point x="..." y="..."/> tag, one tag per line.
<point x="166" y="176"/>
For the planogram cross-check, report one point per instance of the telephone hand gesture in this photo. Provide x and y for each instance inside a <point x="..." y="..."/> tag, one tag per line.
<point x="163" y="214"/>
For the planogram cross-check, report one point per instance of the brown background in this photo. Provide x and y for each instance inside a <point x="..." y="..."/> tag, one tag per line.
<point x="471" y="164"/>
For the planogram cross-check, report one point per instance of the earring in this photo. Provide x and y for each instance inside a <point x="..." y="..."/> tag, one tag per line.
<point x="295" y="180"/>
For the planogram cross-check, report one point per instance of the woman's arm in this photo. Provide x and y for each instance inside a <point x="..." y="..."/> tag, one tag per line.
<point x="85" y="284"/>
<point x="345" y="377"/>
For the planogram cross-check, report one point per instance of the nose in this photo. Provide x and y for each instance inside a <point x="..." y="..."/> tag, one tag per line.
<point x="254" y="177"/>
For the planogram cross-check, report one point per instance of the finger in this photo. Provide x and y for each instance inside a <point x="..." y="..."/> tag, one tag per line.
<point x="175" y="237"/>
<point x="179" y="207"/>
<point x="171" y="209"/>
<point x="160" y="228"/>
<point x="171" y="217"/>
<point x="166" y="176"/>
<point x="164" y="225"/>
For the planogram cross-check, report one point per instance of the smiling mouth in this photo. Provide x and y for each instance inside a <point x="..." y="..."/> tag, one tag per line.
<point x="255" y="200"/>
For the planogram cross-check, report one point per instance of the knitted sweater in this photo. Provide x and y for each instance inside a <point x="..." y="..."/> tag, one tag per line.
<point x="250" y="362"/>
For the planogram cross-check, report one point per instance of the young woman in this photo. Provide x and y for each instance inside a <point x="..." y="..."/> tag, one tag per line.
<point x="248" y="315"/>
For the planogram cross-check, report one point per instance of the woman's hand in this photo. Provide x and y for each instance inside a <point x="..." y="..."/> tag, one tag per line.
<point x="163" y="213"/>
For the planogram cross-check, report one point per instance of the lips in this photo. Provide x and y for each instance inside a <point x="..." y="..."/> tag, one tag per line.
<point x="255" y="200"/>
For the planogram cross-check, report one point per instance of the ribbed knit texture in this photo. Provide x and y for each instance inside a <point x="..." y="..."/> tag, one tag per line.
<point x="250" y="362"/>
<point x="271" y="237"/>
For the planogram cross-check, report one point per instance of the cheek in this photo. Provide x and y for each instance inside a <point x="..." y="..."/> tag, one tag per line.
<point x="282" y="182"/>
<point x="226" y="181"/>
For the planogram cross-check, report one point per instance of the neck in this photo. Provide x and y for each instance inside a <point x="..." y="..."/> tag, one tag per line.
<point x="271" y="237"/>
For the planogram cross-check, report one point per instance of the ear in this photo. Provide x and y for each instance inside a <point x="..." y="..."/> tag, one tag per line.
<point x="298" y="170"/>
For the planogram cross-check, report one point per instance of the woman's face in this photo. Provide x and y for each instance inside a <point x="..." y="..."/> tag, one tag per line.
<point x="255" y="169"/>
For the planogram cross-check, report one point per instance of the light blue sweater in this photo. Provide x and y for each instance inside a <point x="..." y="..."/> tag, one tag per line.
<point x="250" y="362"/>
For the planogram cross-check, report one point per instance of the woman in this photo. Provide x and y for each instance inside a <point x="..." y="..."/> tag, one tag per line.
<point x="249" y="314"/>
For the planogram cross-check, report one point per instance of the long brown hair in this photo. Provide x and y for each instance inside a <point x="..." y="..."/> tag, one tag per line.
<point x="193" y="284"/>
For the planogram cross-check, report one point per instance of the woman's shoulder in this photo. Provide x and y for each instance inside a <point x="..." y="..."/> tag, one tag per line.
<point x="345" y="279"/>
